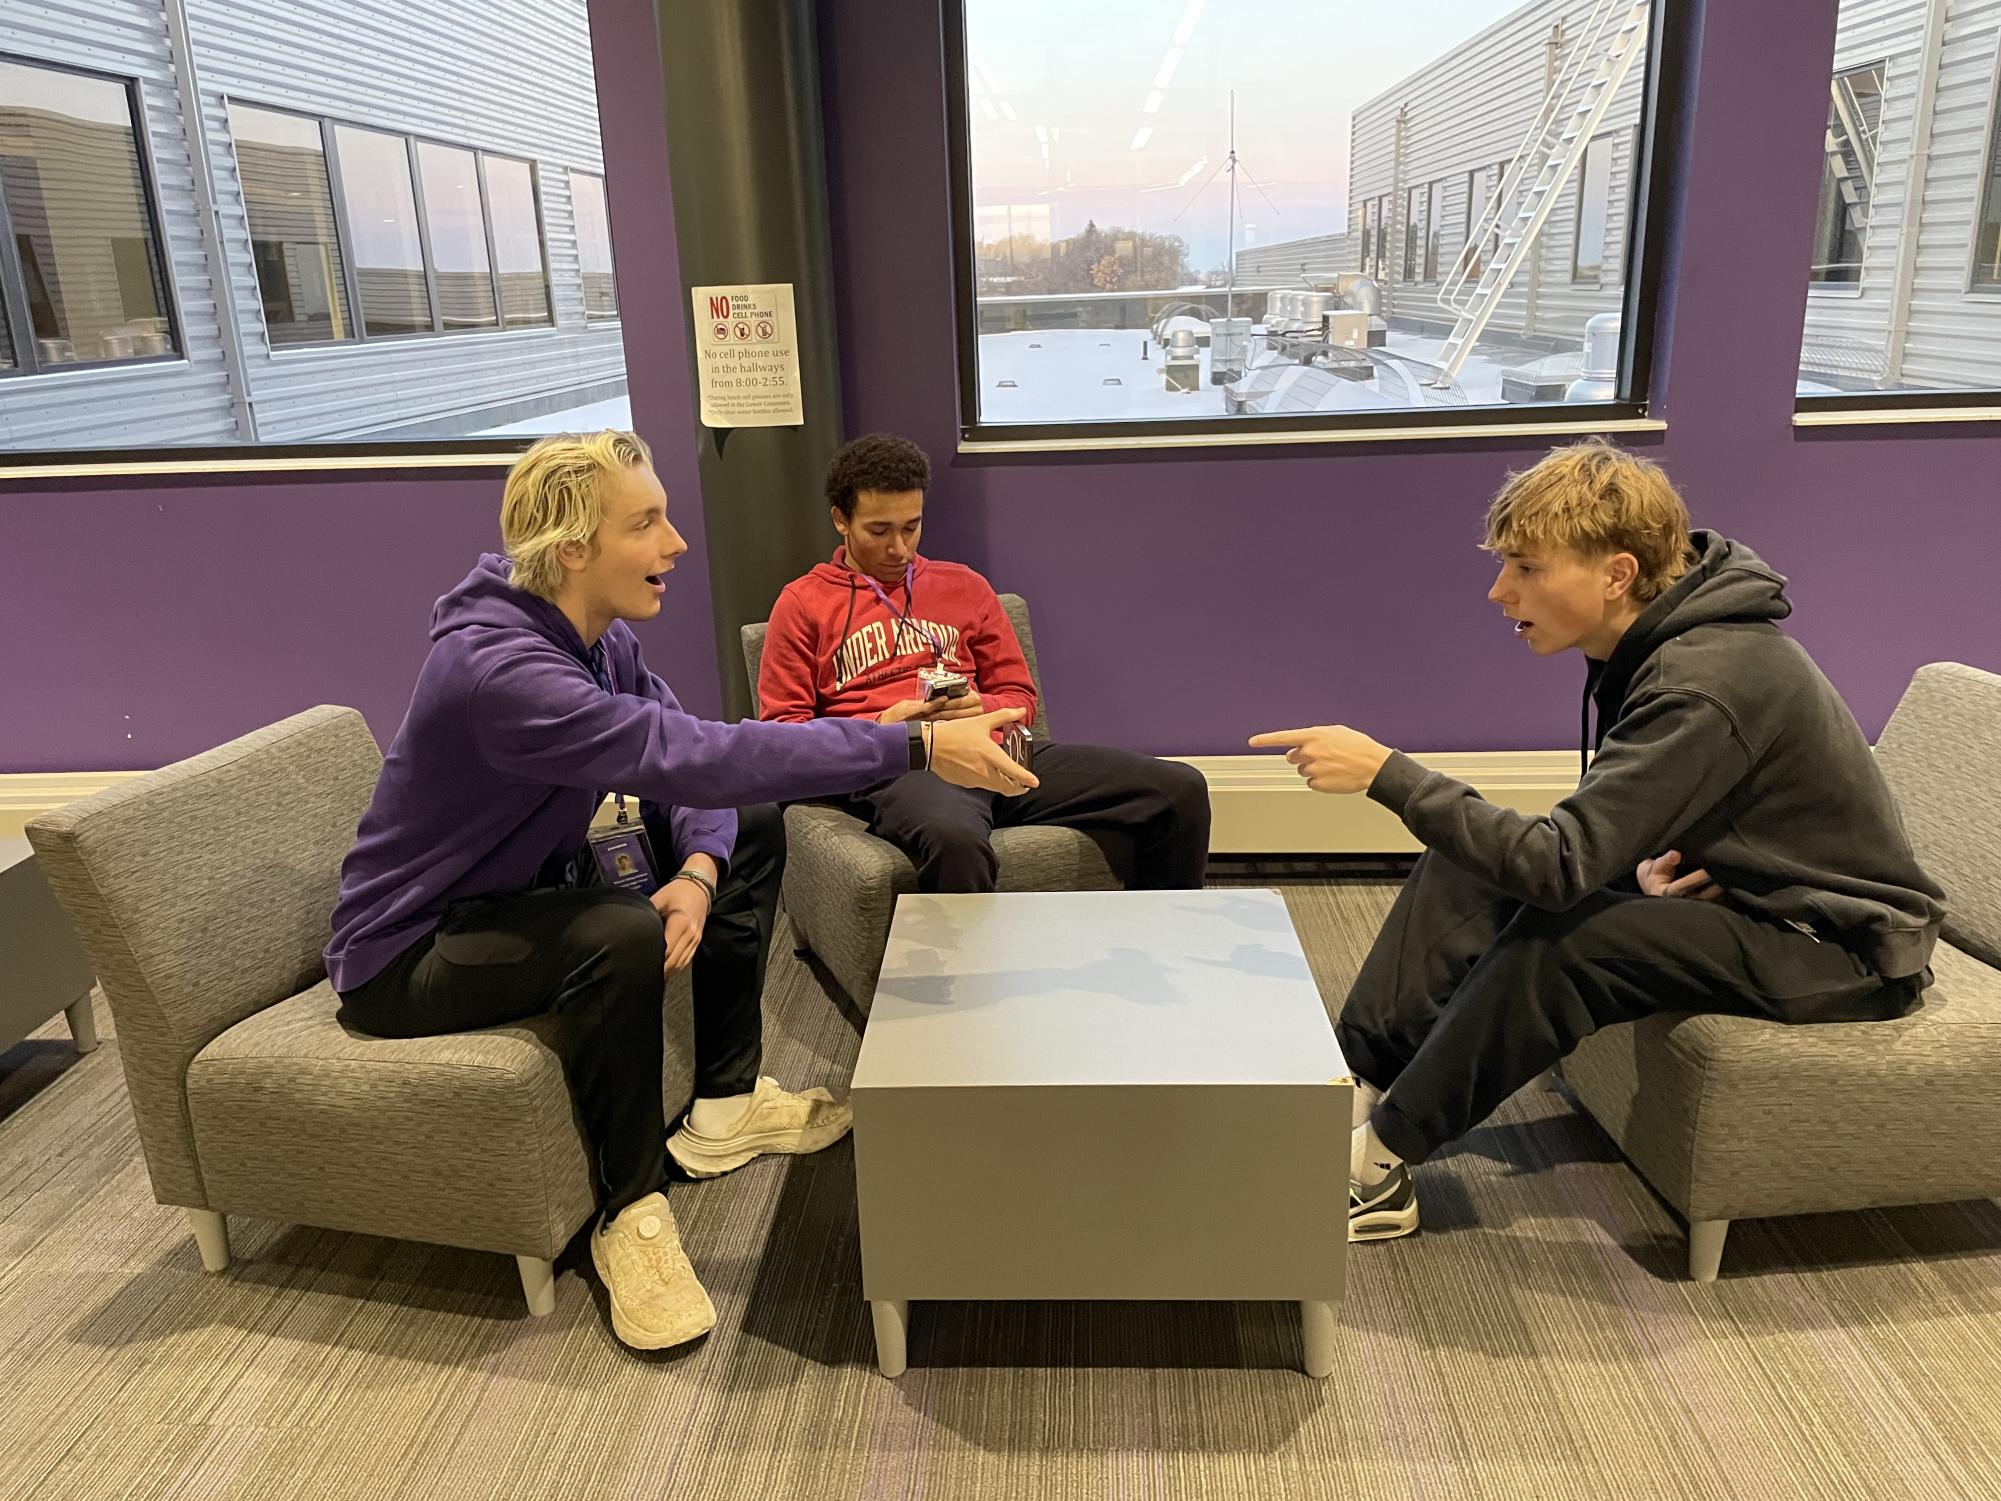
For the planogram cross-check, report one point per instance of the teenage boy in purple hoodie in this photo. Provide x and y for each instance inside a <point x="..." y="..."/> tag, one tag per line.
<point x="468" y="900"/>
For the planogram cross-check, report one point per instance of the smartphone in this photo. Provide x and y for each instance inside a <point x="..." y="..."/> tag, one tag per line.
<point x="1019" y="743"/>
<point x="942" y="684"/>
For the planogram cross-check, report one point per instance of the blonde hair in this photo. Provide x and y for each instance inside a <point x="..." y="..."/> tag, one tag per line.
<point x="554" y="495"/>
<point x="1596" y="500"/>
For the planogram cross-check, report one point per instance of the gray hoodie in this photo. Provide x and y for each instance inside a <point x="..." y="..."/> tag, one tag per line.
<point x="1717" y="737"/>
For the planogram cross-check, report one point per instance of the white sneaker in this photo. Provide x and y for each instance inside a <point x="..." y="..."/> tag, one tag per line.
<point x="1387" y="1210"/>
<point x="656" y="1300"/>
<point x="775" y="1120"/>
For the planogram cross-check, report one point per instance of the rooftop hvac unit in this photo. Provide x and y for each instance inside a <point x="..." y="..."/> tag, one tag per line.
<point x="1182" y="368"/>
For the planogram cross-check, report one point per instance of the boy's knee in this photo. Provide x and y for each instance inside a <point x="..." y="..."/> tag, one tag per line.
<point x="1186" y="789"/>
<point x="629" y="933"/>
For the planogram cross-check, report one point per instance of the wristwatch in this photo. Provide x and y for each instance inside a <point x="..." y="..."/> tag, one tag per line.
<point x="918" y="759"/>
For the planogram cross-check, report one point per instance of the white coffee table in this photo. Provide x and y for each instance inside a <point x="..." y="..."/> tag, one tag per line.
<point x="1100" y="1095"/>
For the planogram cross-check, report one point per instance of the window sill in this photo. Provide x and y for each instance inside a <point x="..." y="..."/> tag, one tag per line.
<point x="1897" y="416"/>
<point x="1488" y="431"/>
<point x="250" y="464"/>
<point x="98" y="369"/>
<point x="356" y="348"/>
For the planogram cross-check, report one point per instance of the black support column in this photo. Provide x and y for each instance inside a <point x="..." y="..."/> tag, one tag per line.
<point x="746" y="150"/>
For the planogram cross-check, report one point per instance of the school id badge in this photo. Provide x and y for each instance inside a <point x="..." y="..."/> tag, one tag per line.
<point x="624" y="858"/>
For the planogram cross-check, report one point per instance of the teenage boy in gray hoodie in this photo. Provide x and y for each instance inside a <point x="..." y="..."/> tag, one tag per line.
<point x="470" y="898"/>
<point x="1728" y="774"/>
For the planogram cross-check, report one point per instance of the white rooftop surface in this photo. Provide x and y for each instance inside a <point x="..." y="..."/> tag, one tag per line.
<point x="1097" y="987"/>
<point x="1062" y="375"/>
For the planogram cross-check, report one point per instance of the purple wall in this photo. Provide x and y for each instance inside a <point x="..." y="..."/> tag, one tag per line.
<point x="1184" y="600"/>
<point x="144" y="620"/>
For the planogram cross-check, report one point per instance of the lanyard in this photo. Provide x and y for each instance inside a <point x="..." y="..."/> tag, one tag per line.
<point x="903" y="616"/>
<point x="600" y="662"/>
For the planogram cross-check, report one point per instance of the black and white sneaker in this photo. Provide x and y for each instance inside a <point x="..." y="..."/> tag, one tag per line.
<point x="1385" y="1211"/>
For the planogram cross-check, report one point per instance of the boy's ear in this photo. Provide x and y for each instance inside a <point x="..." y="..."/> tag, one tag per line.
<point x="1620" y="572"/>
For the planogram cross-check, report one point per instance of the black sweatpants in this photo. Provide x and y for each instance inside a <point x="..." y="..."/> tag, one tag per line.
<point x="1468" y="994"/>
<point x="947" y="831"/>
<point x="593" y="956"/>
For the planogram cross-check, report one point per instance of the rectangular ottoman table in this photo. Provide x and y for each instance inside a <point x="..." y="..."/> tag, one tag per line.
<point x="1100" y="1095"/>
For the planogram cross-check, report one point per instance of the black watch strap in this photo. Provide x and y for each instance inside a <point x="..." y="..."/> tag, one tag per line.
<point x="919" y="761"/>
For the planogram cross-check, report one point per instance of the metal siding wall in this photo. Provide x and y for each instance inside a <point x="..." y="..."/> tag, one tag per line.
<point x="522" y="86"/>
<point x="1955" y="338"/>
<point x="1289" y="261"/>
<point x="140" y="405"/>
<point x="1503" y="69"/>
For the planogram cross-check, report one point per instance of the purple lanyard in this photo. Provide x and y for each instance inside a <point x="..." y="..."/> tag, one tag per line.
<point x="903" y="616"/>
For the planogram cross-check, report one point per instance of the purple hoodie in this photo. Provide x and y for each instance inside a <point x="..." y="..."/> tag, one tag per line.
<point x="510" y="744"/>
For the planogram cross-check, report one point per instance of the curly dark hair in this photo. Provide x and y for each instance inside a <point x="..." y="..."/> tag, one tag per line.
<point x="877" y="461"/>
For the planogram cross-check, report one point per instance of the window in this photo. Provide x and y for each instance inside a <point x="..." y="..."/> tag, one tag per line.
<point x="1170" y="132"/>
<point x="388" y="247"/>
<point x="1848" y="175"/>
<point x="82" y="268"/>
<point x="518" y="258"/>
<point x="594" y="246"/>
<point x="1417" y="234"/>
<point x="1434" y="203"/>
<point x="1904" y="274"/>
<point x="1987" y="244"/>
<point x="1478" y="199"/>
<point x="301" y="274"/>
<point x="1594" y="209"/>
<point x="1987" y="234"/>
<point x="455" y="219"/>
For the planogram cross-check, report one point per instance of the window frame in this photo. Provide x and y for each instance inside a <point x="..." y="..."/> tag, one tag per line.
<point x="1991" y="139"/>
<point x="1667" y="60"/>
<point x="330" y="132"/>
<point x="617" y="313"/>
<point x="541" y="236"/>
<point x="13" y="278"/>
<point x="337" y="207"/>
<point x="499" y="324"/>
<point x="1841" y="290"/>
<point x="1609" y="139"/>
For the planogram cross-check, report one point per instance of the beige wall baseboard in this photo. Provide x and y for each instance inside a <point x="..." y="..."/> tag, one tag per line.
<point x="1261" y="807"/>
<point x="24" y="794"/>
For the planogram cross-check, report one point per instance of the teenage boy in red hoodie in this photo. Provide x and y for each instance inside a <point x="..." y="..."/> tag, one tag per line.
<point x="849" y="640"/>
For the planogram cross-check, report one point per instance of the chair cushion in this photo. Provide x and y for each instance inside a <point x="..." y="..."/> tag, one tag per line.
<point x="465" y="1140"/>
<point x="1728" y="1116"/>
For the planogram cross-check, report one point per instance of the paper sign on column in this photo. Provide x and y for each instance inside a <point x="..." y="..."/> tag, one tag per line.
<point x="747" y="356"/>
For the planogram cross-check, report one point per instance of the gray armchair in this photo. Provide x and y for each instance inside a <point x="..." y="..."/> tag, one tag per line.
<point x="202" y="895"/>
<point x="1731" y="1117"/>
<point x="841" y="882"/>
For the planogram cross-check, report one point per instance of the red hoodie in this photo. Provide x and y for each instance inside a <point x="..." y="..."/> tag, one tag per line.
<point x="835" y="651"/>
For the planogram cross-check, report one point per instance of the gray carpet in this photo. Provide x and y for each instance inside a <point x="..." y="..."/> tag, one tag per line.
<point x="1535" y="1340"/>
